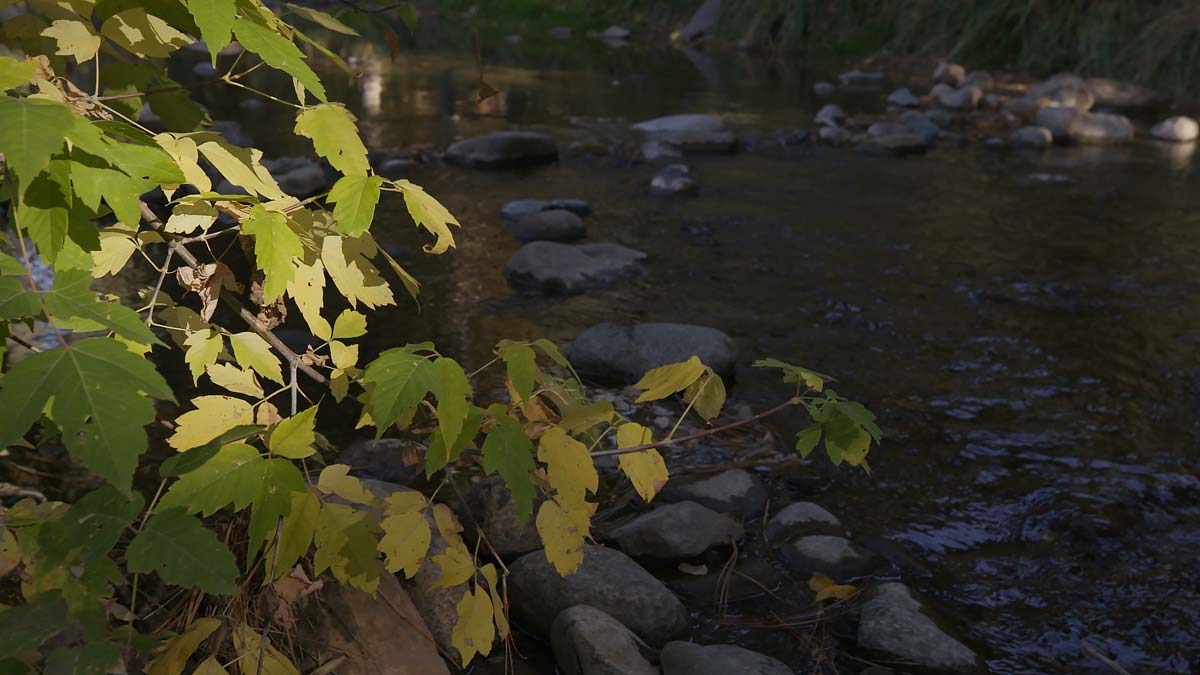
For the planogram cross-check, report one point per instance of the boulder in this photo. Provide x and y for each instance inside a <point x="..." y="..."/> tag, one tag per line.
<point x="687" y="658"/>
<point x="1031" y="137"/>
<point x="1056" y="120"/>
<point x="380" y="635"/>
<point x="1121" y="95"/>
<point x="493" y="507"/>
<point x="1090" y="128"/>
<point x="1052" y="84"/>
<point x="608" y="580"/>
<point x="951" y="74"/>
<point x="858" y="80"/>
<point x="1176" y="130"/>
<point x="799" y="519"/>
<point x="921" y="124"/>
<point x="381" y="459"/>
<point x="903" y="98"/>
<point x="736" y="492"/>
<point x="832" y="556"/>
<point x="750" y="578"/>
<point x="298" y="176"/>
<point x="504" y="149"/>
<point x="610" y="352"/>
<point x="676" y="531"/>
<point x="824" y="89"/>
<point x="964" y="98"/>
<point x="892" y="622"/>
<point x="939" y="90"/>
<point x="518" y="209"/>
<point x="895" y="145"/>
<point x="587" y="641"/>
<point x="674" y="180"/>
<point x="830" y="115"/>
<point x="1071" y="96"/>
<point x="551" y="225"/>
<point x="551" y="268"/>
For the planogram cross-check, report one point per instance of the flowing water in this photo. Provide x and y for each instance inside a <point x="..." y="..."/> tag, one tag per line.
<point x="1031" y="347"/>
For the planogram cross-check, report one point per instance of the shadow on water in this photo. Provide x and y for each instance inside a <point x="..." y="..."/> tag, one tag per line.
<point x="1031" y="348"/>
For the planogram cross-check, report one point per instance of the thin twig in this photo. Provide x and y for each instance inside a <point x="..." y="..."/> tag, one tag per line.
<point x="25" y="343"/>
<point x="700" y="434"/>
<point x="158" y="287"/>
<point x="262" y="643"/>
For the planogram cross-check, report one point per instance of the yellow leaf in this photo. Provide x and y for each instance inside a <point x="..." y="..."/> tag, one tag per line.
<point x="335" y="479"/>
<point x="349" y="324"/>
<point x="456" y="565"/>
<point x="405" y="501"/>
<point x="498" y="609"/>
<point x="251" y="351"/>
<point x="186" y="218"/>
<point x="344" y="356"/>
<point x="10" y="551"/>
<point x="307" y="289"/>
<point x="405" y="542"/>
<point x="473" y="632"/>
<point x="429" y="213"/>
<point x="247" y="643"/>
<point x="347" y="540"/>
<point x="587" y="415"/>
<point x="645" y="469"/>
<point x="237" y="380"/>
<point x="203" y="348"/>
<point x="213" y="416"/>
<point x="663" y="381"/>
<point x="295" y="436"/>
<point x="116" y="247"/>
<point x="74" y="38"/>
<point x="448" y="526"/>
<point x="706" y="396"/>
<point x="242" y="167"/>
<point x="210" y="666"/>
<point x="826" y="589"/>
<point x="185" y="153"/>
<point x="347" y="261"/>
<point x="569" y="467"/>
<point x="174" y="655"/>
<point x="563" y="533"/>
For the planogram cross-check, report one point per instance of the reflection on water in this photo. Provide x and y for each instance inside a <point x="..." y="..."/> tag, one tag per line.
<point x="1029" y="344"/>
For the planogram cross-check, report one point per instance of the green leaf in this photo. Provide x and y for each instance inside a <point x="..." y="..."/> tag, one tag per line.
<point x="94" y="179"/>
<point x="863" y="417"/>
<point x="241" y="166"/>
<point x="278" y="52"/>
<point x="183" y="552"/>
<point x="354" y="199"/>
<point x="807" y="439"/>
<point x="322" y="19"/>
<point x="663" y="381"/>
<point x="15" y="301"/>
<point x="846" y="440"/>
<point x="145" y="161"/>
<point x="15" y="73"/>
<point x="294" y="437"/>
<point x="142" y="34"/>
<point x="72" y="299"/>
<point x="92" y="658"/>
<point x="176" y="108"/>
<point x="551" y="351"/>
<point x="335" y="137"/>
<point x="400" y="381"/>
<point x="509" y="452"/>
<point x="793" y="373"/>
<point x="449" y="384"/>
<point x="347" y="545"/>
<point x="280" y="479"/>
<point x="407" y="12"/>
<point x="204" y="346"/>
<point x="215" y="19"/>
<point x="192" y="459"/>
<point x="230" y="477"/>
<point x="519" y="360"/>
<point x="97" y="392"/>
<point x="91" y="527"/>
<point x="429" y="213"/>
<point x="275" y="246"/>
<point x="50" y="216"/>
<point x="437" y="455"/>
<point x="25" y="628"/>
<point x="31" y="130"/>
<point x="296" y="534"/>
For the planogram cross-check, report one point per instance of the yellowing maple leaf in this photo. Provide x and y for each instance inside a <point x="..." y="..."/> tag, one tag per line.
<point x="405" y="542"/>
<point x="213" y="416"/>
<point x="663" y="381"/>
<point x="474" y="631"/>
<point x="569" y="467"/>
<point x="645" y="469"/>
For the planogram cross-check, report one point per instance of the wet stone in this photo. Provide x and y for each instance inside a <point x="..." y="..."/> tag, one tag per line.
<point x="1176" y="130"/>
<point x="830" y="115"/>
<point x="750" y="578"/>
<point x="587" y="641"/>
<point x="676" y="531"/>
<point x="824" y="89"/>
<point x="951" y="74"/>
<point x="551" y="225"/>
<point x="1057" y="120"/>
<point x="799" y="519"/>
<point x="893" y="622"/>
<point x="617" y="353"/>
<point x="736" y="492"/>
<point x="674" y="180"/>
<point x="493" y="508"/>
<point x="832" y="556"/>
<point x="1031" y="137"/>
<point x="1099" y="129"/>
<point x="964" y="98"/>
<point x="517" y="209"/>
<point x="503" y="150"/>
<point x="551" y="268"/>
<point x="687" y="658"/>
<point x="903" y="98"/>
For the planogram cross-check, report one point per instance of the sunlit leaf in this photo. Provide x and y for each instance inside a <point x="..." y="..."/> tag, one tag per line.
<point x="15" y="73"/>
<point x="275" y="247"/>
<point x="74" y="38"/>
<point x="215" y="20"/>
<point x="143" y="34"/>
<point x="295" y="436"/>
<point x="238" y="380"/>
<point x="213" y="416"/>
<point x="278" y="52"/>
<point x="400" y="381"/>
<point x="251" y="351"/>
<point x="429" y="213"/>
<point x="331" y="128"/>
<point x="321" y="18"/>
<point x="348" y="264"/>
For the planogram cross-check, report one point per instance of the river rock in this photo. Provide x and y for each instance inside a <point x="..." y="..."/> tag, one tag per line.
<point x="1047" y="87"/>
<point x="964" y="98"/>
<point x="1121" y="95"/>
<point x="615" y="33"/>
<point x="681" y="124"/>
<point x="608" y="580"/>
<point x="833" y="556"/>
<point x="980" y="78"/>
<point x="921" y="124"/>
<point x="380" y="635"/>
<point x="1056" y="120"/>
<point x="587" y="641"/>
<point x="395" y="167"/>
<point x="688" y="658"/>
<point x="1089" y="128"/>
<point x="381" y="459"/>
<point x="801" y="518"/>
<point x="736" y="491"/>
<point x="233" y="132"/>
<point x="298" y="176"/>
<point x="859" y="80"/>
<point x="903" y="98"/>
<point x="824" y="89"/>
<point x="834" y="135"/>
<point x="493" y="507"/>
<point x="892" y="622"/>
<point x="205" y="71"/>
<point x="895" y="145"/>
<point x="550" y="225"/>
<point x="750" y="578"/>
<point x="518" y="209"/>
<point x="551" y="268"/>
<point x="610" y="352"/>
<point x="676" y="531"/>
<point x="504" y="149"/>
<point x="674" y="180"/>
<point x="830" y="115"/>
<point x="653" y="151"/>
<point x="886" y="129"/>
<point x="1031" y="137"/>
<point x="1176" y="129"/>
<point x="951" y="74"/>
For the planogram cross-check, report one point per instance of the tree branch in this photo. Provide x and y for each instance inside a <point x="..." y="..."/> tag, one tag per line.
<point x="700" y="434"/>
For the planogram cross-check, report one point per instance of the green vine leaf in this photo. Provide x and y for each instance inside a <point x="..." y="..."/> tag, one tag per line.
<point x="25" y="628"/>
<point x="278" y="52"/>
<point x="294" y="437"/>
<point x="228" y="478"/>
<point x="275" y="246"/>
<point x="509" y="452"/>
<point x="520" y="361"/>
<point x="14" y="73"/>
<point x="355" y="199"/>
<point x="91" y="527"/>
<point x="215" y="20"/>
<point x="183" y="552"/>
<point x="399" y="381"/>
<point x="74" y="305"/>
<point x="15" y="301"/>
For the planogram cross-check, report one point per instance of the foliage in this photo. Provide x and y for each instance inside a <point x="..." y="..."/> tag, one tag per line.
<point x="246" y="497"/>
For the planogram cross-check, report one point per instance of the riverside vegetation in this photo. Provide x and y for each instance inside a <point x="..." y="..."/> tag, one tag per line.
<point x="245" y="504"/>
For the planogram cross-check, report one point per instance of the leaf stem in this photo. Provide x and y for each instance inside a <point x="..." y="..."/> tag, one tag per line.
<point x="158" y="286"/>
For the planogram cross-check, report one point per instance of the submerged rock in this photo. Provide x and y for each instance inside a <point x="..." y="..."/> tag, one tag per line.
<point x="681" y="124"/>
<point x="861" y="80"/>
<point x="608" y="580"/>
<point x="832" y="556"/>
<point x="903" y="98"/>
<point x="1176" y="129"/>
<point x="676" y="531"/>
<point x="674" y="180"/>
<point x="1056" y="120"/>
<point x="687" y="658"/>
<point x="895" y="145"/>
<point x="653" y="151"/>
<point x="801" y="518"/>
<point x="736" y="491"/>
<point x="1031" y="137"/>
<point x="551" y="268"/>
<point x="517" y="209"/>
<point x="922" y="125"/>
<point x="610" y="352"/>
<point x="824" y="88"/>
<point x="892" y="622"/>
<point x="504" y="149"/>
<point x="834" y="135"/>
<point x="1099" y="128"/>
<point x="550" y="225"/>
<point x="587" y="641"/>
